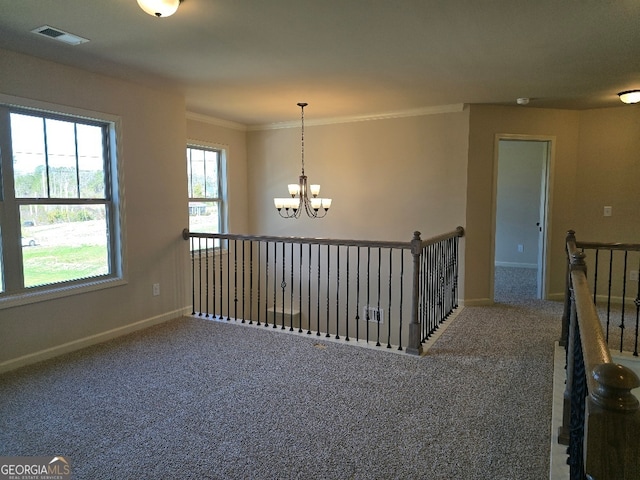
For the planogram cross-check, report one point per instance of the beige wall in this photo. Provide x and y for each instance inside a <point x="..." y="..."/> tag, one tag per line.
<point x="596" y="163"/>
<point x="152" y="155"/>
<point x="387" y="178"/>
<point x="485" y="123"/>
<point x="609" y="171"/>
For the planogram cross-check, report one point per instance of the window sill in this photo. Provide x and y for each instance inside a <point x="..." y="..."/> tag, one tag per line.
<point x="55" y="292"/>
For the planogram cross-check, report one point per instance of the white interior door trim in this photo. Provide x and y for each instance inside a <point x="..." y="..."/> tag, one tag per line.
<point x="551" y="139"/>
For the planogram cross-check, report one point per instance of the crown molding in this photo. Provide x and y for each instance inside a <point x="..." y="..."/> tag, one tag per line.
<point x="198" y="117"/>
<point x="415" y="112"/>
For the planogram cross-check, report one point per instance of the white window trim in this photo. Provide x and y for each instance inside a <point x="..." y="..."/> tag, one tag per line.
<point x="224" y="188"/>
<point x="120" y="276"/>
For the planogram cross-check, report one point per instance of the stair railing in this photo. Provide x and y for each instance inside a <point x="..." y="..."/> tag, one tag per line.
<point x="346" y="289"/>
<point x="600" y="414"/>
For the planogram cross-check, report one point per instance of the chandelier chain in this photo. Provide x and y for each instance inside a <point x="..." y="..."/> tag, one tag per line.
<point x="302" y="105"/>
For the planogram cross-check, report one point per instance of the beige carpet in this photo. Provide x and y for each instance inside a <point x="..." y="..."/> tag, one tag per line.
<point x="199" y="399"/>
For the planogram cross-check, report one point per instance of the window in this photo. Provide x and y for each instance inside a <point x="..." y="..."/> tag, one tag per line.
<point x="58" y="218"/>
<point x="207" y="189"/>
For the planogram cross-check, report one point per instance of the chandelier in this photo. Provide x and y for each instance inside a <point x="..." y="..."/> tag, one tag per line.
<point x="314" y="206"/>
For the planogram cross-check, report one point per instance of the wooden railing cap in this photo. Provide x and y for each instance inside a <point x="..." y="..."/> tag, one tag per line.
<point x="614" y="384"/>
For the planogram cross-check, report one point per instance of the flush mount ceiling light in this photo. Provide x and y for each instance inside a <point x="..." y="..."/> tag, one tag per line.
<point x="630" y="96"/>
<point x="314" y="206"/>
<point x="159" y="8"/>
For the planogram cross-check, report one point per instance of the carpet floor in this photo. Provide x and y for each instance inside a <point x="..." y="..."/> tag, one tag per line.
<point x="201" y="399"/>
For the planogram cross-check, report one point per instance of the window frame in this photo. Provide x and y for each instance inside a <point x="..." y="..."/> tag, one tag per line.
<point x="222" y="199"/>
<point x="15" y="293"/>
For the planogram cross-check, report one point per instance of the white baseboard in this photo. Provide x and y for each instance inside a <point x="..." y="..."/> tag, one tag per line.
<point x="51" y="352"/>
<point x="476" y="302"/>
<point x="516" y="265"/>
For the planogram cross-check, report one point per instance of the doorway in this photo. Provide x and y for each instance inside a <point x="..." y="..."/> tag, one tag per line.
<point x="521" y="210"/>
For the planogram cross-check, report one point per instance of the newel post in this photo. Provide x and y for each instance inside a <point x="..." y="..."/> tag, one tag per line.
<point x="414" y="345"/>
<point x="612" y="444"/>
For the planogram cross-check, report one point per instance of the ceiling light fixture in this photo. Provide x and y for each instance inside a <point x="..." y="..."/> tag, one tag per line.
<point x="314" y="207"/>
<point x="159" y="8"/>
<point x="630" y="96"/>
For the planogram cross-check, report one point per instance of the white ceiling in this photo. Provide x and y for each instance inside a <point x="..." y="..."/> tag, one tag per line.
<point x="251" y="61"/>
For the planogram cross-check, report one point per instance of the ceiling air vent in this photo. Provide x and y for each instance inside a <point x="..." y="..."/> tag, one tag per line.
<point x="60" y="35"/>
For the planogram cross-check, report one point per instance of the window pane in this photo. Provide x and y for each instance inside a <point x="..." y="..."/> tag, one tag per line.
<point x="63" y="242"/>
<point x="61" y="154"/>
<point x="29" y="164"/>
<point x="203" y="217"/>
<point x="211" y="174"/>
<point x="91" y="161"/>
<point x="197" y="177"/>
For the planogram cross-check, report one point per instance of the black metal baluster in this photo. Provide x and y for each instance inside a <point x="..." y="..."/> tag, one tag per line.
<point x="213" y="279"/>
<point x="300" y="290"/>
<point x="389" y="307"/>
<point x="595" y="278"/>
<point x="259" y="279"/>
<point x="206" y="276"/>
<point x="309" y="294"/>
<point x="228" y="281"/>
<point x="578" y="396"/>
<point x="251" y="243"/>
<point x="637" y="303"/>
<point x="346" y="314"/>
<point x="283" y="285"/>
<point x="609" y="292"/>
<point x="235" y="279"/>
<point x="368" y="290"/>
<point x="275" y="285"/>
<point x="266" y="287"/>
<point x="401" y="321"/>
<point x="358" y="297"/>
<point x="193" y="276"/>
<point x="338" y="293"/>
<point x="291" y="295"/>
<point x="379" y="293"/>
<point x="200" y="276"/>
<point x="455" y="272"/>
<point x="318" y="301"/>
<point x="425" y="282"/>
<point x="221" y="282"/>
<point x="624" y="295"/>
<point x="244" y="289"/>
<point x="328" y="286"/>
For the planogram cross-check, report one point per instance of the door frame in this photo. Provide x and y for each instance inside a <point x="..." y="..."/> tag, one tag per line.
<point x="546" y="210"/>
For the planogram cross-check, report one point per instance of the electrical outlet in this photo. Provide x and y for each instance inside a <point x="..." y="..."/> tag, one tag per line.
<point x="156" y="289"/>
<point x="633" y="275"/>
<point x="520" y="248"/>
<point x="373" y="314"/>
<point x="608" y="211"/>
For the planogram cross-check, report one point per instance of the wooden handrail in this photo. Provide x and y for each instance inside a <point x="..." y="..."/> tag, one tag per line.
<point x="631" y="247"/>
<point x="604" y="443"/>
<point x="458" y="232"/>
